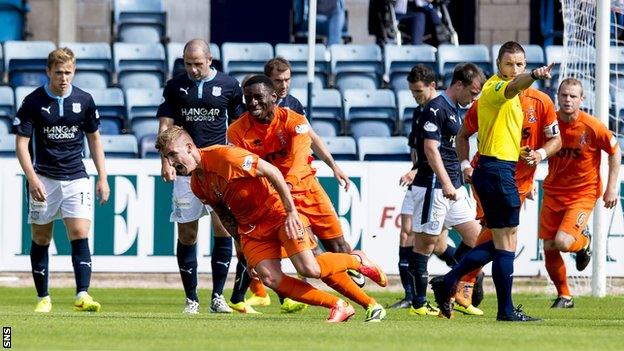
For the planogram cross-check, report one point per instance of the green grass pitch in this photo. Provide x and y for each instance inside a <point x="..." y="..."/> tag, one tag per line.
<point x="148" y="319"/>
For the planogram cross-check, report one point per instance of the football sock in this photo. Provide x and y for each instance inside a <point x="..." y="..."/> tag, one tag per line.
<point x="478" y="257"/>
<point x="257" y="288"/>
<point x="485" y="235"/>
<point x="502" y="274"/>
<point x="557" y="271"/>
<point x="407" y="280"/>
<point x="472" y="276"/>
<point x="39" y="264"/>
<point x="187" y="262"/>
<point x="461" y="251"/>
<point x="332" y="263"/>
<point x="81" y="260"/>
<point x="220" y="263"/>
<point x="447" y="256"/>
<point x="303" y="292"/>
<point x="241" y="281"/>
<point x="418" y="267"/>
<point x="342" y="283"/>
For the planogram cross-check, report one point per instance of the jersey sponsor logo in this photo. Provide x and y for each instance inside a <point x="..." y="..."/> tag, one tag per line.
<point x="76" y="107"/>
<point x="430" y="127"/>
<point x="247" y="163"/>
<point x="16" y="121"/>
<point x="185" y="91"/>
<point x="569" y="152"/>
<point x="60" y="132"/>
<point x="452" y="118"/>
<point x="200" y="114"/>
<point x="302" y="129"/>
<point x="498" y="86"/>
<point x="46" y="109"/>
<point x="216" y="91"/>
<point x="526" y="133"/>
<point x="434" y="110"/>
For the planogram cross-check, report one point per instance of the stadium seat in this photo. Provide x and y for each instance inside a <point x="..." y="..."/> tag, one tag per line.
<point x="139" y="21"/>
<point x="370" y="112"/>
<point x="142" y="105"/>
<point x="406" y="104"/>
<point x="25" y="62"/>
<point x="20" y="94"/>
<point x="399" y="61"/>
<point x="148" y="147"/>
<point x="554" y="54"/>
<point x="175" y="61"/>
<point x="7" y="107"/>
<point x="449" y="56"/>
<point x="300" y="81"/>
<point x="120" y="146"/>
<point x="140" y="65"/>
<point x="383" y="149"/>
<point x="7" y="145"/>
<point x="4" y="128"/>
<point x="327" y="106"/>
<point x="111" y="108"/>
<point x="356" y="66"/>
<point x="297" y="55"/>
<point x="241" y="59"/>
<point x="324" y="128"/>
<point x="342" y="148"/>
<point x="94" y="64"/>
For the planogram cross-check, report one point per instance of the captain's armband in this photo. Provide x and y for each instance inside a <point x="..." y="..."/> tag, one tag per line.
<point x="551" y="130"/>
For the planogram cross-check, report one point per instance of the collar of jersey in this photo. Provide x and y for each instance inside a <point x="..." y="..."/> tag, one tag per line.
<point x="448" y="101"/>
<point x="209" y="77"/>
<point x="52" y="95"/>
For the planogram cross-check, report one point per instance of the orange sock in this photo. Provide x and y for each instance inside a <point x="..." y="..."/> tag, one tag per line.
<point x="579" y="244"/>
<point x="485" y="235"/>
<point x="472" y="276"/>
<point x="257" y="288"/>
<point x="332" y="263"/>
<point x="557" y="271"/>
<point x="303" y="292"/>
<point x="342" y="283"/>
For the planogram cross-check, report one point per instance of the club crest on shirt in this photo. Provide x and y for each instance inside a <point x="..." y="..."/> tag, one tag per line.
<point x="430" y="127"/>
<point x="76" y="107"/>
<point x="17" y="121"/>
<point x="583" y="139"/>
<point x="216" y="91"/>
<point x="247" y="163"/>
<point x="531" y="113"/>
<point x="301" y="129"/>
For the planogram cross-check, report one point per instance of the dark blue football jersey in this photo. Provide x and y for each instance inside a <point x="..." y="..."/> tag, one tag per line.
<point x="416" y="115"/>
<point x="292" y="103"/>
<point x="441" y="121"/>
<point x="56" y="126"/>
<point x="203" y="108"/>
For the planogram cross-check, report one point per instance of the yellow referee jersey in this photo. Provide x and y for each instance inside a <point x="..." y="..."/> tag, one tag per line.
<point x="500" y="121"/>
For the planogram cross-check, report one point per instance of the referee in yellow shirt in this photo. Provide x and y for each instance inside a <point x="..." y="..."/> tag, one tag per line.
<point x="500" y="128"/>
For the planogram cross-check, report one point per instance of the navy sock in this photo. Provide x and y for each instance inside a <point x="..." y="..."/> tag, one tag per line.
<point x="478" y="257"/>
<point x="187" y="262"/>
<point x="407" y="280"/>
<point x="502" y="274"/>
<point x="461" y="251"/>
<point x="81" y="259"/>
<point x="220" y="262"/>
<point x="418" y="268"/>
<point x="448" y="256"/>
<point x="241" y="282"/>
<point x="39" y="264"/>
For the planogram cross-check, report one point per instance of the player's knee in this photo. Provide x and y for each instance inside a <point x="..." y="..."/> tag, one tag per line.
<point x="309" y="270"/>
<point x="562" y="242"/>
<point x="271" y="279"/>
<point x="336" y="245"/>
<point x="187" y="235"/>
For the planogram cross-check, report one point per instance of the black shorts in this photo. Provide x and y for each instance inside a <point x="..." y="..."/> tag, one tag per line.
<point x="495" y="184"/>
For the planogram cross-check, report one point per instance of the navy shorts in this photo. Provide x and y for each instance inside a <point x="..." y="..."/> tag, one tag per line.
<point x="495" y="184"/>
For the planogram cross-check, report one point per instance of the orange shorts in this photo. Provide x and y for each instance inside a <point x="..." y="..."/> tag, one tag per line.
<point x="267" y="242"/>
<point x="313" y="243"/>
<point x="571" y="218"/>
<point x="317" y="207"/>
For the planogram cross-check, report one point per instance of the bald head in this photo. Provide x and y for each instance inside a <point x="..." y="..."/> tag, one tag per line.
<point x="197" y="45"/>
<point x="197" y="59"/>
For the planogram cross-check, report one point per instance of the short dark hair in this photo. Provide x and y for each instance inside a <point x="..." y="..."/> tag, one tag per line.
<point x="511" y="47"/>
<point x="421" y="73"/>
<point x="277" y="63"/>
<point x="466" y="73"/>
<point x="259" y="79"/>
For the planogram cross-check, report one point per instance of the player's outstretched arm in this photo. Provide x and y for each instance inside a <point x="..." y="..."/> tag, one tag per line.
<point x="35" y="187"/>
<point x="320" y="149"/>
<point x="610" y="196"/>
<point x="294" y="228"/>
<point x="166" y="170"/>
<point x="102" y="190"/>
<point x="525" y="80"/>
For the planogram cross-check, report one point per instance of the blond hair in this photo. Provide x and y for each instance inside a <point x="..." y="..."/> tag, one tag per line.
<point x="62" y="56"/>
<point x="168" y="136"/>
<point x="571" y="81"/>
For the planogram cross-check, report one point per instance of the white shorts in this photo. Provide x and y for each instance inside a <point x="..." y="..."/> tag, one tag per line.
<point x="407" y="208"/>
<point x="185" y="206"/>
<point x="66" y="199"/>
<point x="432" y="211"/>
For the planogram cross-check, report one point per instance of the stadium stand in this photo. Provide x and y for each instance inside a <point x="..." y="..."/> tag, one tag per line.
<point x="142" y="105"/>
<point x="383" y="149"/>
<point x="7" y="145"/>
<point x="120" y="146"/>
<point x="370" y="112"/>
<point x="406" y="106"/>
<point x="94" y="64"/>
<point x="241" y="59"/>
<point x="399" y="60"/>
<point x="25" y="61"/>
<point x="111" y="108"/>
<point x="297" y="55"/>
<point x="327" y="112"/>
<point x="450" y="55"/>
<point x="139" y="21"/>
<point x="140" y="65"/>
<point x="20" y="94"/>
<point x="356" y="66"/>
<point x="7" y="108"/>
<point x="342" y="148"/>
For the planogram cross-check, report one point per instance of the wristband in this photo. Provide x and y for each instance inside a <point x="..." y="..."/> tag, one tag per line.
<point x="533" y="75"/>
<point x="464" y="164"/>
<point x="542" y="153"/>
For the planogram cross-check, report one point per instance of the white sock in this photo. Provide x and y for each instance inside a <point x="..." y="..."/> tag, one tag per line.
<point x="81" y="294"/>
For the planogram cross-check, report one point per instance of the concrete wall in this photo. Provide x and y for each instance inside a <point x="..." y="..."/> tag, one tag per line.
<point x="499" y="21"/>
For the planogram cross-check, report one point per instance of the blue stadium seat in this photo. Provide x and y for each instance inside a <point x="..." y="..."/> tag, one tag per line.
<point x="175" y="61"/>
<point x="399" y="61"/>
<point x="406" y="104"/>
<point x="148" y="147"/>
<point x="139" y="21"/>
<point x="94" y="64"/>
<point x="111" y="108"/>
<point x="241" y="59"/>
<point x="7" y="107"/>
<point x="26" y="62"/>
<point x="554" y="54"/>
<point x="300" y="81"/>
<point x="142" y="105"/>
<point x="383" y="149"/>
<point x="324" y="128"/>
<point x="20" y="94"/>
<point x="120" y="146"/>
<point x="7" y="145"/>
<point x="356" y="66"/>
<point x="449" y="56"/>
<point x="370" y="112"/>
<point x="297" y="55"/>
<point x="4" y="128"/>
<point x="140" y="65"/>
<point x="327" y="106"/>
<point x="342" y="148"/>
